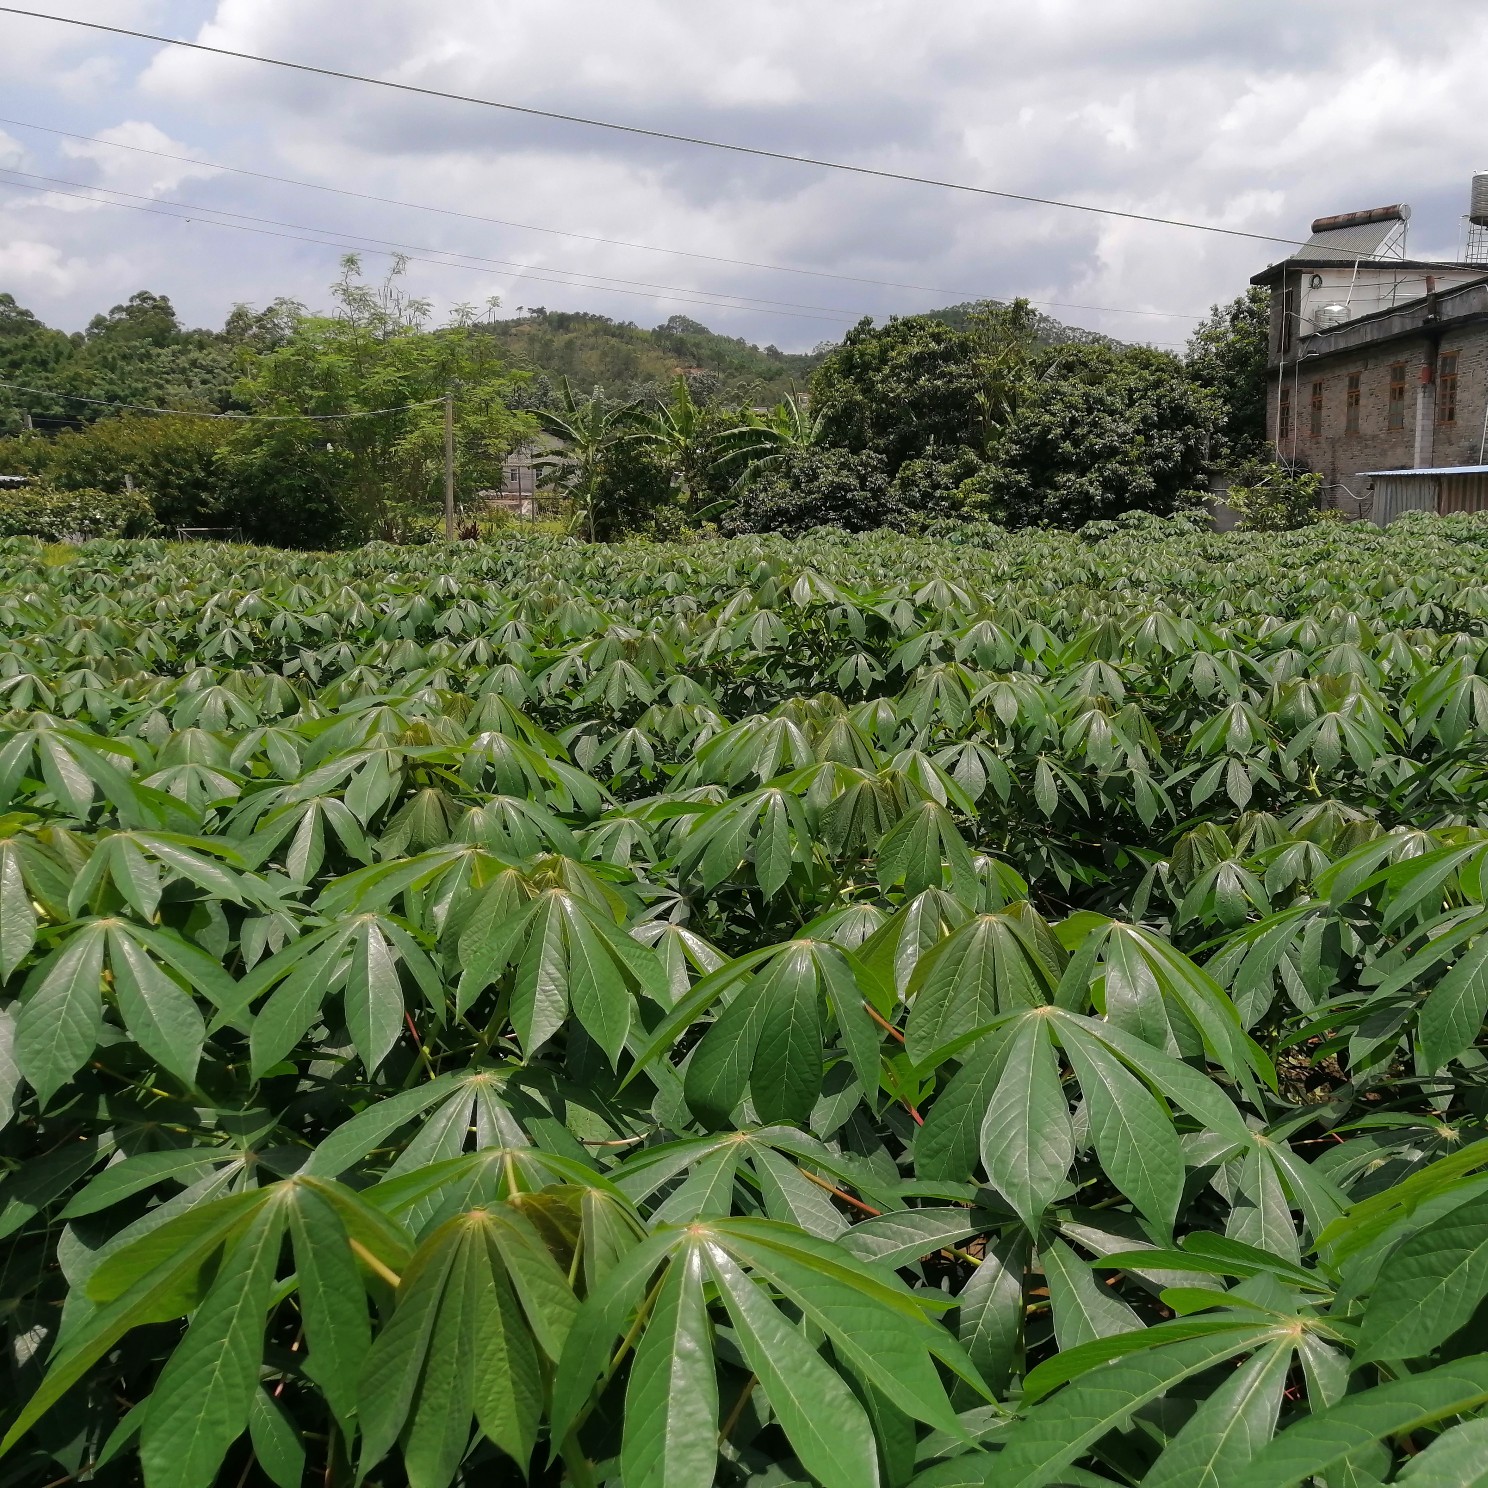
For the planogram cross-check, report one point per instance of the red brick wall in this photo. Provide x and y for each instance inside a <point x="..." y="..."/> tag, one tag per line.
<point x="1339" y="456"/>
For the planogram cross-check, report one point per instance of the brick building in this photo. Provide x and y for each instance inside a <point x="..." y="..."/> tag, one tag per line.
<point x="1377" y="361"/>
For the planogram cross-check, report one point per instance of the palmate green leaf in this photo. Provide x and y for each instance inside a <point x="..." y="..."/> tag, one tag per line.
<point x="17" y="913"/>
<point x="61" y="1015"/>
<point x="1452" y="1015"/>
<point x="201" y="1403"/>
<point x="1027" y="1142"/>
<point x="480" y="1290"/>
<point x="1037" y="1449"/>
<point x="1318" y="1443"/>
<point x="822" y="1420"/>
<point x="1138" y="1147"/>
<point x="565" y="954"/>
<point x="1082" y="1307"/>
<point x="769" y="1040"/>
<point x="1429" y="1287"/>
<point x="671" y="1403"/>
<point x="1229" y="1428"/>
<point x="990" y="966"/>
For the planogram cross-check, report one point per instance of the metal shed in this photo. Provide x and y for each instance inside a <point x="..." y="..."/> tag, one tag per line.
<point x="1443" y="489"/>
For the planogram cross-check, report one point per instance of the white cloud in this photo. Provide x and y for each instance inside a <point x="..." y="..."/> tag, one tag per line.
<point x="120" y="161"/>
<point x="1255" y="117"/>
<point x="31" y="268"/>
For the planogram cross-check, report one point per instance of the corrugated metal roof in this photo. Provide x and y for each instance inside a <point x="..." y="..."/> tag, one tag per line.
<point x="1362" y="241"/>
<point x="1432" y="470"/>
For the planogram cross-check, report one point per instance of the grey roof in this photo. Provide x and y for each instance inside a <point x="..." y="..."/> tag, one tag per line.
<point x="1433" y="470"/>
<point x="1363" y="240"/>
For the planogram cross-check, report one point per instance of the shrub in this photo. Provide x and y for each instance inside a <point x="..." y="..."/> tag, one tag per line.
<point x="1271" y="498"/>
<point x="73" y="516"/>
<point x="821" y="486"/>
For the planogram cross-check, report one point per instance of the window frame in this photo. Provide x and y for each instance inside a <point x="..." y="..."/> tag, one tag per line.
<point x="1446" y="388"/>
<point x="1353" y="398"/>
<point x="1315" y="410"/>
<point x="1284" y="414"/>
<point x="1395" y="409"/>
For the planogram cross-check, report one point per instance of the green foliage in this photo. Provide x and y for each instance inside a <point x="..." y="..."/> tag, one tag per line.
<point x="897" y="390"/>
<point x="1227" y="355"/>
<point x="814" y="486"/>
<point x="75" y="515"/>
<point x="851" y="1010"/>
<point x="178" y="463"/>
<point x="1272" y="498"/>
<point x="630" y="363"/>
<point x="1104" y="431"/>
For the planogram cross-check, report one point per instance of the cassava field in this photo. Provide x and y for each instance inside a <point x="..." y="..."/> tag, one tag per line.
<point x="850" y="1011"/>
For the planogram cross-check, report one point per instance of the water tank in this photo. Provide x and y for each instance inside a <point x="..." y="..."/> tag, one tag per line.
<point x="1330" y="317"/>
<point x="1477" y="209"/>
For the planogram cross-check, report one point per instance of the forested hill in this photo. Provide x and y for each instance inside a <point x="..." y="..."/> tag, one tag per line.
<point x="595" y="351"/>
<point x="139" y="352"/>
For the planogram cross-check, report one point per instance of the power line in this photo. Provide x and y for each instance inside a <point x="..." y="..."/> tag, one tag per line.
<point x="391" y="201"/>
<point x="659" y="134"/>
<point x="526" y="270"/>
<point x="271" y="418"/>
<point x="442" y="263"/>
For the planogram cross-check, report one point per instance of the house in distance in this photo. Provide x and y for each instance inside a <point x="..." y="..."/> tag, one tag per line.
<point x="1378" y="364"/>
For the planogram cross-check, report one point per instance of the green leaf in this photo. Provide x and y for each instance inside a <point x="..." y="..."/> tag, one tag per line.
<point x="904" y="1235"/>
<point x="1458" y="1458"/>
<point x="1319" y="1443"/>
<point x="61" y="1016"/>
<point x="821" y="1418"/>
<point x="1429" y="1287"/>
<point x="393" y="1366"/>
<point x="1136" y="1142"/>
<point x="332" y="1304"/>
<point x="989" y="1320"/>
<point x="373" y="997"/>
<point x="1452" y="1015"/>
<point x="159" y="1014"/>
<point x="200" y="1405"/>
<point x="1083" y="1309"/>
<point x="1038" y="1448"/>
<point x="787" y="1067"/>
<point x="947" y="1145"/>
<point x="1229" y="1427"/>
<point x="1027" y="1142"/>
<point x="987" y="967"/>
<point x="276" y="1444"/>
<point x="17" y="913"/>
<point x="671" y="1402"/>
<point x="718" y="1072"/>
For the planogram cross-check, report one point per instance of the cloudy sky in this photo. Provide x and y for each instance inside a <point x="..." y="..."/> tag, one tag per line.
<point x="1249" y="114"/>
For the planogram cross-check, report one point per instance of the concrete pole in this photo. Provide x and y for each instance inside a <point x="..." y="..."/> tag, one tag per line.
<point x="449" y="466"/>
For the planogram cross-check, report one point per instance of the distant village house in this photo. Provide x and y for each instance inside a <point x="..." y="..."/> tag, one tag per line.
<point x="1378" y="365"/>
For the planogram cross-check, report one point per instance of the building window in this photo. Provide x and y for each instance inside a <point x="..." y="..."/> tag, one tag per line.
<point x="1315" y="417"/>
<point x="1284" y="415"/>
<point x="1446" y="389"/>
<point x="1396" y="419"/>
<point x="1351" y="405"/>
<point x="1288" y="319"/>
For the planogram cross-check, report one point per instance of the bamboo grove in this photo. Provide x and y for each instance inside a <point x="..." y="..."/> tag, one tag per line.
<point x="854" y="1011"/>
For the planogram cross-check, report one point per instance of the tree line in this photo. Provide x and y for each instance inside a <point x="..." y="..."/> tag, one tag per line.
<point x="987" y="413"/>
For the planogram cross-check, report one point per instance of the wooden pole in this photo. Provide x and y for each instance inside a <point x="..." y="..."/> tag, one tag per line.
<point x="449" y="466"/>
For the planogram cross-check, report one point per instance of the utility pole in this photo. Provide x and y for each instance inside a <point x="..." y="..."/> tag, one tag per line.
<point x="449" y="466"/>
